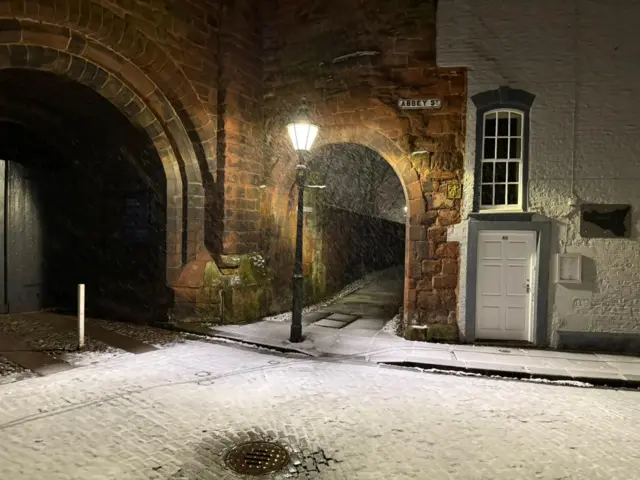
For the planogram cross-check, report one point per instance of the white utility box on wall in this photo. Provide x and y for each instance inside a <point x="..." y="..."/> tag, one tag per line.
<point x="568" y="268"/>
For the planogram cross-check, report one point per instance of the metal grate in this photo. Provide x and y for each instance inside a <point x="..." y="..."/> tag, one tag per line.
<point x="257" y="458"/>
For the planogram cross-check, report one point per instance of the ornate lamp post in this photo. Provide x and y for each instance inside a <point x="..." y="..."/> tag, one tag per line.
<point x="302" y="133"/>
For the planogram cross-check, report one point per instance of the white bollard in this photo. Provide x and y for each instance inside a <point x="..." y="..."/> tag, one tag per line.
<point x="80" y="315"/>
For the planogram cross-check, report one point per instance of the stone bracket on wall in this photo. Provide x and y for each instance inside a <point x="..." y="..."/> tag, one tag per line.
<point x="229" y="289"/>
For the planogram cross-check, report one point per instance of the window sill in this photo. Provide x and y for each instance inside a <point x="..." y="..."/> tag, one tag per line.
<point x="499" y="211"/>
<point x="502" y="216"/>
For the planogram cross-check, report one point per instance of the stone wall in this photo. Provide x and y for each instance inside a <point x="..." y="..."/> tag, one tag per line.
<point x="578" y="58"/>
<point x="187" y="73"/>
<point x="157" y="63"/>
<point x="356" y="244"/>
<point x="353" y="68"/>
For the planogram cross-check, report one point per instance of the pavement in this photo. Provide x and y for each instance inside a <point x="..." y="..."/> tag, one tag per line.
<point x="175" y="413"/>
<point x="353" y="327"/>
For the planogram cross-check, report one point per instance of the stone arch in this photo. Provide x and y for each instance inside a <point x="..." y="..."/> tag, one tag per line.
<point x="50" y="48"/>
<point x="399" y="159"/>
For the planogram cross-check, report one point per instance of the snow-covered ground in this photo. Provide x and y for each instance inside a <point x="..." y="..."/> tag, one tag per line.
<point x="10" y="372"/>
<point x="40" y="332"/>
<point x="84" y="358"/>
<point x="174" y="413"/>
<point x="393" y="325"/>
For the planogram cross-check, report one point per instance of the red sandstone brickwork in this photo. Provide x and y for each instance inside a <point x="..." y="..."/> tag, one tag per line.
<point x="212" y="82"/>
<point x="187" y="72"/>
<point x="240" y="133"/>
<point x="155" y="63"/>
<point x="353" y="61"/>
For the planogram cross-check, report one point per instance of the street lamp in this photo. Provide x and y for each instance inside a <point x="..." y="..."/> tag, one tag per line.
<point x="302" y="133"/>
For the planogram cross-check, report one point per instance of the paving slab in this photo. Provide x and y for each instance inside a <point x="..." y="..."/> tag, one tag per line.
<point x="14" y="349"/>
<point x="358" y="332"/>
<point x="329" y="323"/>
<point x="430" y="356"/>
<point x="375" y="324"/>
<point x="109" y="337"/>
<point x="340" y="317"/>
<point x="314" y="316"/>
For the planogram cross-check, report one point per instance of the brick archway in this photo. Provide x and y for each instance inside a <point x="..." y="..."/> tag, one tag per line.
<point x="30" y="45"/>
<point x="284" y="174"/>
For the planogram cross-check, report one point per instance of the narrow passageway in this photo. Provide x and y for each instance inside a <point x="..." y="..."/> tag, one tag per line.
<point x="359" y="312"/>
<point x="369" y="307"/>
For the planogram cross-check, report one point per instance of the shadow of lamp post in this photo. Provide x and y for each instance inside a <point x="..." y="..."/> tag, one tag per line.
<point x="302" y="133"/>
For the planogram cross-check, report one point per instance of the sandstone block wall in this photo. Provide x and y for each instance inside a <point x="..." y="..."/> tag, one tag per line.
<point x="353" y="68"/>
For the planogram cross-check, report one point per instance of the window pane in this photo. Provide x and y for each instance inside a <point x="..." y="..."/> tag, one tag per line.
<point x="514" y="171"/>
<point x="503" y="148"/>
<point x="512" y="195"/>
<point x="516" y="125"/>
<point x="489" y="148"/>
<point x="514" y="147"/>
<point x="490" y="125"/>
<point x="487" y="195"/>
<point x="487" y="172"/>
<point x="503" y="124"/>
<point x="501" y="172"/>
<point x="500" y="195"/>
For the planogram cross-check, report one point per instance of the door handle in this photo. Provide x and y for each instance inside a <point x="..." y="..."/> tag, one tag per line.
<point x="528" y="286"/>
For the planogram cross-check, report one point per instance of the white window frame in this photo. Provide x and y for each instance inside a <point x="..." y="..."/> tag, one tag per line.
<point x="503" y="208"/>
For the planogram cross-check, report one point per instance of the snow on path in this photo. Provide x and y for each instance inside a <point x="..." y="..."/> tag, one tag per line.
<point x="173" y="413"/>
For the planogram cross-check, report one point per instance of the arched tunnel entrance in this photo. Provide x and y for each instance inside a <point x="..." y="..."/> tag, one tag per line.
<point x="82" y="200"/>
<point x="355" y="222"/>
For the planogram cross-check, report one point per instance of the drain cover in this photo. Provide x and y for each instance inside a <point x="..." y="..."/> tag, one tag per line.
<point x="257" y="458"/>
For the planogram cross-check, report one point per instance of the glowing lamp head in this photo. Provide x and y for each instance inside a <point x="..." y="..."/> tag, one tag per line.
<point x="302" y="132"/>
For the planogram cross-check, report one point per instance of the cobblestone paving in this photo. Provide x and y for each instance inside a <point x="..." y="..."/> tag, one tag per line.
<point x="173" y="413"/>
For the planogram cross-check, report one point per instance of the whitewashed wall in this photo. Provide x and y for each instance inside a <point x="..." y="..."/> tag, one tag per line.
<point x="581" y="58"/>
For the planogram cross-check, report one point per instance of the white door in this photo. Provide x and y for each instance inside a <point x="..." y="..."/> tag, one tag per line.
<point x="505" y="285"/>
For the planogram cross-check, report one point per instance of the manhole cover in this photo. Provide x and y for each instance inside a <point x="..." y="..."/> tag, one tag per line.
<point x="257" y="458"/>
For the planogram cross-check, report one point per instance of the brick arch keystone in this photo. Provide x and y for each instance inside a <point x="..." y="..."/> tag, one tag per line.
<point x="284" y="173"/>
<point x="57" y="51"/>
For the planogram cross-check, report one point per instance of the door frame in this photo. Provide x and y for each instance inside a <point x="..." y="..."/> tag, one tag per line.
<point x="530" y="304"/>
<point x="542" y="263"/>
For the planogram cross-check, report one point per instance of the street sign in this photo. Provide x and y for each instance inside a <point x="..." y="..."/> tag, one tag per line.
<point x="429" y="103"/>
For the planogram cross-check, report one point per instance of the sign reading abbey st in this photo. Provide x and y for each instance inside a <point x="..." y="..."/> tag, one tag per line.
<point x="420" y="104"/>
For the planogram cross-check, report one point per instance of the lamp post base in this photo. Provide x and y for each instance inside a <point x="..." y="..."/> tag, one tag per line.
<point x="296" y="334"/>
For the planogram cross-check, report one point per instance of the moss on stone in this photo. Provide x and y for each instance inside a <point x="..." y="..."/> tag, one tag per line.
<point x="252" y="269"/>
<point x="244" y="304"/>
<point x="208" y="298"/>
<point x="211" y="285"/>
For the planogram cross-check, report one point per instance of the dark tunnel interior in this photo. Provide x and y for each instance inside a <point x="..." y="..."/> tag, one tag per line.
<point x="82" y="200"/>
